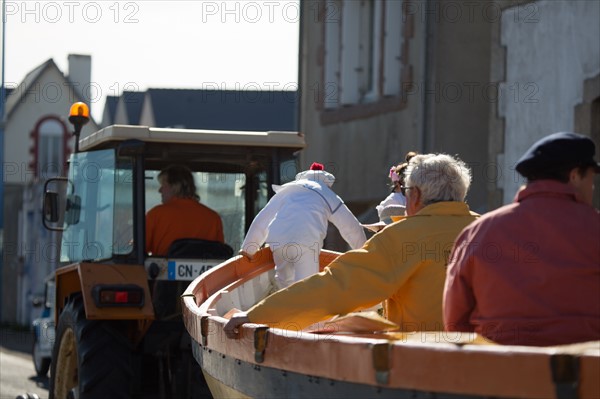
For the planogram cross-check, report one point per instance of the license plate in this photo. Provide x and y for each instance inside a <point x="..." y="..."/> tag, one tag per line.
<point x="186" y="270"/>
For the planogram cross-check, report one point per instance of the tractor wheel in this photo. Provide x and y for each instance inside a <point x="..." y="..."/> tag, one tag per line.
<point x="90" y="358"/>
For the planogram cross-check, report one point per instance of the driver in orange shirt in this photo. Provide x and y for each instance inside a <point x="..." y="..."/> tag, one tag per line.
<point x="181" y="215"/>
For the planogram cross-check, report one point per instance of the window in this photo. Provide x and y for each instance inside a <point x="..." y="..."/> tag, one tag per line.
<point x="50" y="154"/>
<point x="362" y="51"/>
<point x="90" y="205"/>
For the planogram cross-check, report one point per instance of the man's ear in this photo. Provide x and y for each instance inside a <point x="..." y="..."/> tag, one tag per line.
<point x="415" y="196"/>
<point x="574" y="176"/>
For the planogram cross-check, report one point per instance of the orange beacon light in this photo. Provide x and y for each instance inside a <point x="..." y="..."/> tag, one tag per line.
<point x="79" y="115"/>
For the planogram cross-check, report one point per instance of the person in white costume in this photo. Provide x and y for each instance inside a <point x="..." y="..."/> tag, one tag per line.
<point x="294" y="224"/>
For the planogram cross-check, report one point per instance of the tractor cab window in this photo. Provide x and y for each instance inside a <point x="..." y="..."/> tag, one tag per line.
<point x="98" y="218"/>
<point x="222" y="192"/>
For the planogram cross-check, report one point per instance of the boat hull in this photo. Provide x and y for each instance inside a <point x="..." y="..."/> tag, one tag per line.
<point x="279" y="362"/>
<point x="231" y="378"/>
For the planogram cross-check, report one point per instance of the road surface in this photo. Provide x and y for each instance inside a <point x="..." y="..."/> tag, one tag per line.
<point x="17" y="375"/>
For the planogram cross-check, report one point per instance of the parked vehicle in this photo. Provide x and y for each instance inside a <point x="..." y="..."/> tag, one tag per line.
<point x="43" y="330"/>
<point x="119" y="331"/>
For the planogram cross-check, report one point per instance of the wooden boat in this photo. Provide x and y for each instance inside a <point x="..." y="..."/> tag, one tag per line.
<point x="279" y="363"/>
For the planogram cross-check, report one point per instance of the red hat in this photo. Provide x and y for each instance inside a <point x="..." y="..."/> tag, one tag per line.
<point x="317" y="166"/>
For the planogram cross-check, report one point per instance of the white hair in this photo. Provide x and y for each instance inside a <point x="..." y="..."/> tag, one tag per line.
<point x="439" y="177"/>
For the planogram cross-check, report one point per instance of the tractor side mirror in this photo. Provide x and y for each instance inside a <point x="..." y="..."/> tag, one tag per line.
<point x="54" y="203"/>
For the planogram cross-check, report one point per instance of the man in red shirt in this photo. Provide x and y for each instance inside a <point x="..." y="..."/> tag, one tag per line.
<point x="528" y="273"/>
<point x="181" y="215"/>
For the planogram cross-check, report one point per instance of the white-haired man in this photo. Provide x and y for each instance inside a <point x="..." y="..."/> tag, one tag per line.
<point x="404" y="264"/>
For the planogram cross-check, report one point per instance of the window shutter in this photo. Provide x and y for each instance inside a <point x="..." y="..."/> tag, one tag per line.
<point x="331" y="85"/>
<point x="392" y="48"/>
<point x="350" y="54"/>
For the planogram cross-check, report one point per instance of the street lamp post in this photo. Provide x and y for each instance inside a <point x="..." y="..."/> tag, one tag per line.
<point x="2" y="110"/>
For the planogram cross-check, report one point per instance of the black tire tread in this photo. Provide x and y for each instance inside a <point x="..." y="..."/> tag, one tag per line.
<point x="104" y="355"/>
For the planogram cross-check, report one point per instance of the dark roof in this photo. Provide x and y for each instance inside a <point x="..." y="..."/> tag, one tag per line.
<point x="133" y="101"/>
<point x="110" y="106"/>
<point x="225" y="109"/>
<point x="7" y="91"/>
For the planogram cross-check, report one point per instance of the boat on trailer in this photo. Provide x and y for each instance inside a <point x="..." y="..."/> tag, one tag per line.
<point x="341" y="362"/>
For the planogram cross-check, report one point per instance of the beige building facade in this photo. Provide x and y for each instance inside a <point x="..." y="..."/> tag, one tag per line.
<point x="480" y="80"/>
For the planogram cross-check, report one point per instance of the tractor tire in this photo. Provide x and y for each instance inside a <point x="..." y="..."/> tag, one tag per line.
<point x="90" y="358"/>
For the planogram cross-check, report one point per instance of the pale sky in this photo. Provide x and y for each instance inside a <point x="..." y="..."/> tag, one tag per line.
<point x="136" y="45"/>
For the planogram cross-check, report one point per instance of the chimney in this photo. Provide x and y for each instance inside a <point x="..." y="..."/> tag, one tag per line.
<point x="80" y="75"/>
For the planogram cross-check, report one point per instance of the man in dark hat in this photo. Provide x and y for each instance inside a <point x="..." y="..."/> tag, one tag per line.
<point x="528" y="273"/>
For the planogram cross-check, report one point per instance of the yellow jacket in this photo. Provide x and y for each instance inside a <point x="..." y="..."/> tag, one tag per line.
<point x="404" y="264"/>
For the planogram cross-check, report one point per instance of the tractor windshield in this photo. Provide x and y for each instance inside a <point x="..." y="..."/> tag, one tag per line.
<point x="98" y="219"/>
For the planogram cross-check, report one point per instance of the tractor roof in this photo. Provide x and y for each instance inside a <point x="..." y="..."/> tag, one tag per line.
<point x="112" y="136"/>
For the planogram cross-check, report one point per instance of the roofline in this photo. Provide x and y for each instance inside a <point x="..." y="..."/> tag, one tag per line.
<point x="285" y="139"/>
<point x="23" y="91"/>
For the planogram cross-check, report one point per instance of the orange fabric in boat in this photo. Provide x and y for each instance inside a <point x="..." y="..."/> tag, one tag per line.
<point x="405" y="264"/>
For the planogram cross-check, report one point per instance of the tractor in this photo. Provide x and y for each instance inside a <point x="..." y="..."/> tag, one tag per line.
<point x="119" y="330"/>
